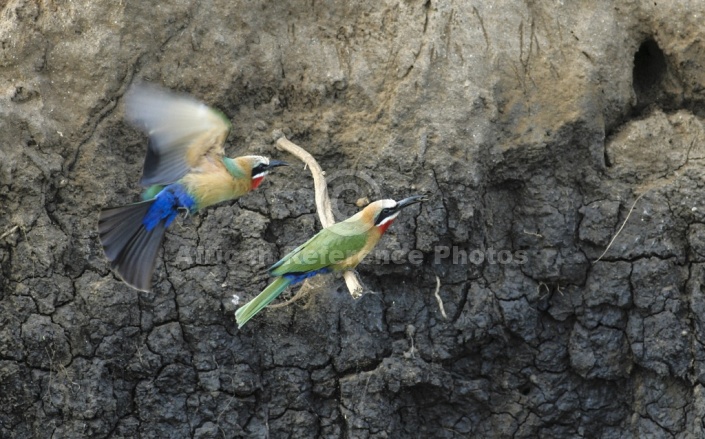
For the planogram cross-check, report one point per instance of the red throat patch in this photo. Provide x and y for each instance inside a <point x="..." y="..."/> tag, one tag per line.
<point x="383" y="228"/>
<point x="256" y="182"/>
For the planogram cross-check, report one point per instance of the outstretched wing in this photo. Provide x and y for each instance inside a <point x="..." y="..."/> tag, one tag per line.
<point x="181" y="132"/>
<point x="329" y="247"/>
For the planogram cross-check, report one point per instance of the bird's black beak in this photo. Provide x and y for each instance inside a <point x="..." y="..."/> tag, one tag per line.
<point x="409" y="201"/>
<point x="275" y="163"/>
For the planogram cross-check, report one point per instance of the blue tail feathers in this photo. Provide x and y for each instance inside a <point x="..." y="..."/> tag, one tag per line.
<point x="131" y="235"/>
<point x="129" y="246"/>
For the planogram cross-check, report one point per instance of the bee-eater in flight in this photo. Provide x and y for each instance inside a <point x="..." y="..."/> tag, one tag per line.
<point x="185" y="170"/>
<point x="336" y="248"/>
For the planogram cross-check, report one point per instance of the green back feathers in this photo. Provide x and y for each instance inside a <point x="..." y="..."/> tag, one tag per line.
<point x="151" y="192"/>
<point x="327" y="248"/>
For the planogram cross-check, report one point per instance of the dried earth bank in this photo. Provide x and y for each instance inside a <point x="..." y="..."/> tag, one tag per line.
<point x="534" y="125"/>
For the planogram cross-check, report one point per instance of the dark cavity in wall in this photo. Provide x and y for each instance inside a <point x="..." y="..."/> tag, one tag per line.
<point x="648" y="76"/>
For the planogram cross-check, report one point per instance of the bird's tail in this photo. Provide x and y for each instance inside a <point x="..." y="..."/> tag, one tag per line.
<point x="248" y="310"/>
<point x="130" y="247"/>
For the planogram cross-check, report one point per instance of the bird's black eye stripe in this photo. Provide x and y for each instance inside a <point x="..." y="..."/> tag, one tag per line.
<point x="383" y="214"/>
<point x="259" y="169"/>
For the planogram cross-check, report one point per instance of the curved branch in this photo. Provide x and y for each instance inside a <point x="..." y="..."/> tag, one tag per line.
<point x="323" y="206"/>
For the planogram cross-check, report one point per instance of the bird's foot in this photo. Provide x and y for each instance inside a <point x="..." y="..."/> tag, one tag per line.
<point x="186" y="212"/>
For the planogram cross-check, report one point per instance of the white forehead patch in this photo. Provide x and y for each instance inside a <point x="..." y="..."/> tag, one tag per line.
<point x="383" y="204"/>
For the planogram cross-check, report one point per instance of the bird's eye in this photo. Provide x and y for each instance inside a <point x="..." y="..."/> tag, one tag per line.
<point x="383" y="214"/>
<point x="259" y="169"/>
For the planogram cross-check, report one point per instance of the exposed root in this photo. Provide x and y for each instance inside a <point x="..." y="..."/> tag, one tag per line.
<point x="438" y="298"/>
<point x="620" y="228"/>
<point x="305" y="291"/>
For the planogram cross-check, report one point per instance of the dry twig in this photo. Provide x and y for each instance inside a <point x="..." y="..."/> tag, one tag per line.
<point x="323" y="206"/>
<point x="620" y="228"/>
<point x="10" y="232"/>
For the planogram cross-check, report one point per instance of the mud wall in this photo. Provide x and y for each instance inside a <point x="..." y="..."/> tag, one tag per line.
<point x="541" y="129"/>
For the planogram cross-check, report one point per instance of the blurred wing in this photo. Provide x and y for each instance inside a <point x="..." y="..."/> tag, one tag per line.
<point x="329" y="247"/>
<point x="181" y="132"/>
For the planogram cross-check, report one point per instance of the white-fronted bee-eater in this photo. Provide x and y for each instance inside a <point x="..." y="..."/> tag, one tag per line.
<point x="185" y="170"/>
<point x="336" y="248"/>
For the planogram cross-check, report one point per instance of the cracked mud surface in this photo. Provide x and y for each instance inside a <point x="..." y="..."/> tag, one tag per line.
<point x="541" y="130"/>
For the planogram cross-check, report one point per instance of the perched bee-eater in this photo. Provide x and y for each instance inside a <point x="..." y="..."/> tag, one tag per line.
<point x="336" y="248"/>
<point x="185" y="170"/>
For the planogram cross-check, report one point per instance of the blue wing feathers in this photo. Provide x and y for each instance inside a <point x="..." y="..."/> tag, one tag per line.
<point x="295" y="278"/>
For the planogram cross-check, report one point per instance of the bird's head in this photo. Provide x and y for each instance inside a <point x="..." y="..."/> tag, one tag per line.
<point x="382" y="213"/>
<point x="259" y="167"/>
